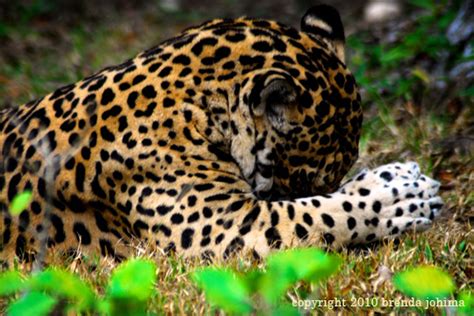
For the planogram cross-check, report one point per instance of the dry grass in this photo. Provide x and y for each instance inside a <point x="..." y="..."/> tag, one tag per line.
<point x="401" y="134"/>
<point x="366" y="272"/>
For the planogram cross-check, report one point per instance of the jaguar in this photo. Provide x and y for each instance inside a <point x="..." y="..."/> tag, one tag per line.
<point x="234" y="135"/>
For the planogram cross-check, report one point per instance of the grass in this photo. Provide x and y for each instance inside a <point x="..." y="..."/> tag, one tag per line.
<point x="396" y="127"/>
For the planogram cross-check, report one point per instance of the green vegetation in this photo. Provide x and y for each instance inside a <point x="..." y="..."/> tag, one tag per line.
<point x="130" y="287"/>
<point x="406" y="81"/>
<point x="425" y="283"/>
<point x="435" y="287"/>
<point x="233" y="293"/>
<point x="400" y="67"/>
<point x="261" y="291"/>
<point x="414" y="110"/>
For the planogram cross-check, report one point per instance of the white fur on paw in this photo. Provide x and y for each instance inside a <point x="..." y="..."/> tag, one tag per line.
<point x="376" y="229"/>
<point x="390" y="200"/>
<point x="397" y="226"/>
<point x="382" y="175"/>
<point x="415" y="208"/>
<point x="385" y="176"/>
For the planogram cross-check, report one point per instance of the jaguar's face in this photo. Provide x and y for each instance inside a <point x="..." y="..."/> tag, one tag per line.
<point x="309" y="116"/>
<point x="321" y="145"/>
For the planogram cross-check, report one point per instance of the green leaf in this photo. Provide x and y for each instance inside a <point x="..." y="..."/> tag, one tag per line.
<point x="287" y="267"/>
<point x="446" y="19"/>
<point x="133" y="279"/>
<point x="425" y="4"/>
<point x="64" y="284"/>
<point x="224" y="289"/>
<point x="462" y="246"/>
<point x="428" y="253"/>
<point x="394" y="56"/>
<point x="4" y="30"/>
<point x="310" y="264"/>
<point x="104" y="307"/>
<point x="20" y="202"/>
<point x="467" y="299"/>
<point x="468" y="92"/>
<point x="252" y="279"/>
<point x="422" y="75"/>
<point x="425" y="282"/>
<point x="32" y="304"/>
<point x="130" y="287"/>
<point x="11" y="282"/>
<point x="123" y="306"/>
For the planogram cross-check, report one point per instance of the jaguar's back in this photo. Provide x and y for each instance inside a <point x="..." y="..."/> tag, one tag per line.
<point x="185" y="146"/>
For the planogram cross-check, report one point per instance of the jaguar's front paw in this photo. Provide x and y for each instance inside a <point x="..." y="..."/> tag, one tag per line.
<point x="390" y="200"/>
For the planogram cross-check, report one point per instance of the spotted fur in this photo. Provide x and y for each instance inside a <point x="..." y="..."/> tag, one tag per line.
<point x="233" y="135"/>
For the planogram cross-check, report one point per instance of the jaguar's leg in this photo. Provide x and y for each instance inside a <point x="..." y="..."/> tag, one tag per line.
<point x="372" y="206"/>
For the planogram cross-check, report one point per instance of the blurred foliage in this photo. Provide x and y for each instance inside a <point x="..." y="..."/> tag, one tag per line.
<point x="262" y="291"/>
<point x="224" y="289"/>
<point x="426" y="282"/>
<point x="416" y="80"/>
<point x="400" y="66"/>
<point x="434" y="287"/>
<point x="59" y="291"/>
<point x="130" y="287"/>
<point x="415" y="58"/>
<point x="468" y="298"/>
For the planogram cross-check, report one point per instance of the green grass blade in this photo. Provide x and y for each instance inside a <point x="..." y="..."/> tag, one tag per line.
<point x="224" y="289"/>
<point x="32" y="304"/>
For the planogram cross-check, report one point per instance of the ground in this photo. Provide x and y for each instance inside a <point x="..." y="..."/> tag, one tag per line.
<point x="420" y="118"/>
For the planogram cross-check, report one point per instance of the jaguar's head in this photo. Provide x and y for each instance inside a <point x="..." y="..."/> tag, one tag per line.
<point x="303" y="122"/>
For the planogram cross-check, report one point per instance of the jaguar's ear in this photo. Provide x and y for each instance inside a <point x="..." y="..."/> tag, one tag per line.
<point x="274" y="98"/>
<point x="324" y="20"/>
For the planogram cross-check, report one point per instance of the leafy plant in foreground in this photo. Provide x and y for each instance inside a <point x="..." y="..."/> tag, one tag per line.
<point x="237" y="293"/>
<point x="425" y="282"/>
<point x="130" y="286"/>
<point x="129" y="289"/>
<point x="431" y="283"/>
<point x="225" y="289"/>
